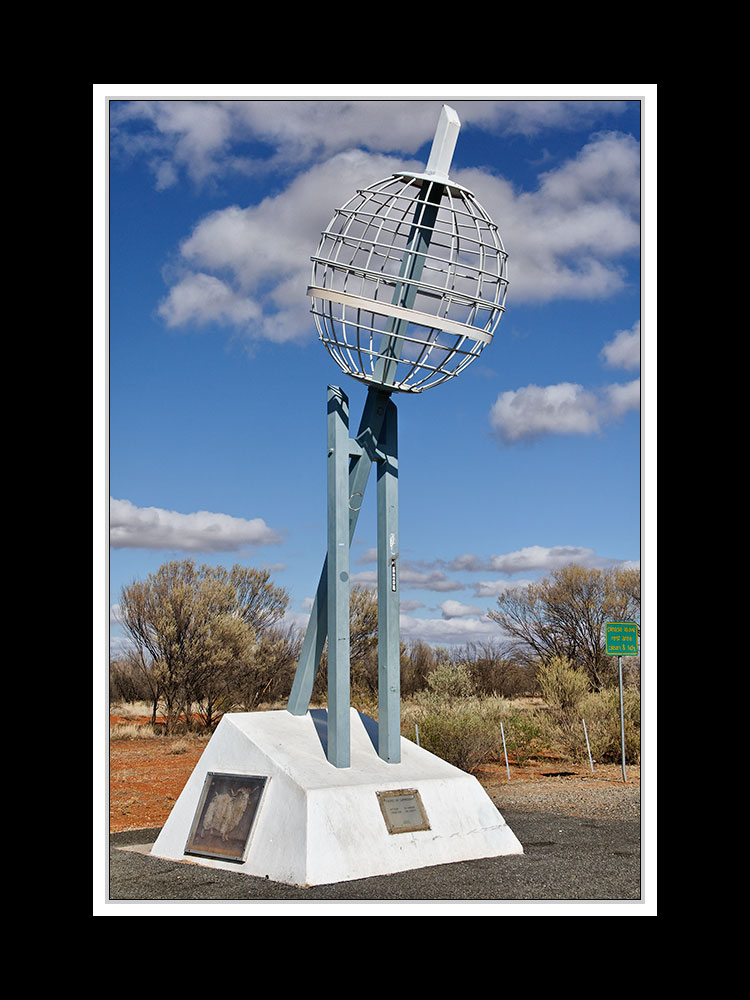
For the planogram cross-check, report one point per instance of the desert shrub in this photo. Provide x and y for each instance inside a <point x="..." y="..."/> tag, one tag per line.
<point x="450" y="680"/>
<point x="524" y="734"/>
<point x="464" y="727"/>
<point x="601" y="710"/>
<point x="561" y="686"/>
<point x="563" y="689"/>
<point x="564" y="734"/>
<point x="562" y="737"/>
<point x="463" y="734"/>
<point x="454" y="724"/>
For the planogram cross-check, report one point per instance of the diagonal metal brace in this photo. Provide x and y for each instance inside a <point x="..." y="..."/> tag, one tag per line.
<point x="365" y="446"/>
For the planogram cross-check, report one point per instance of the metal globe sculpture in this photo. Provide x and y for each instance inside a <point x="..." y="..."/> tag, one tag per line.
<point x="408" y="286"/>
<point x="409" y="279"/>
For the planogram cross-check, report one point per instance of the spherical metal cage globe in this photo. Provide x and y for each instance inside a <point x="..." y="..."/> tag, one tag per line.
<point x="408" y="282"/>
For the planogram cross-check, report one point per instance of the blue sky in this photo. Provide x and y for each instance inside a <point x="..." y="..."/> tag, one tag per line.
<point x="213" y="413"/>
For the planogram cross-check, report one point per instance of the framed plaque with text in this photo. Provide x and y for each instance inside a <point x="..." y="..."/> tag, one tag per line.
<point x="403" y="810"/>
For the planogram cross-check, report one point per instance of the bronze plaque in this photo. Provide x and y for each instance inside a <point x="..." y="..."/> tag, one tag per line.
<point x="403" y="810"/>
<point x="225" y="816"/>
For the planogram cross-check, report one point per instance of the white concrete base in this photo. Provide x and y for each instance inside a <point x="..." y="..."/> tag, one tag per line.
<point x="318" y="824"/>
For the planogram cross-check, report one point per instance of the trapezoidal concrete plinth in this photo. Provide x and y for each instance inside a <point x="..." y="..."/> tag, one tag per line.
<point x="310" y="823"/>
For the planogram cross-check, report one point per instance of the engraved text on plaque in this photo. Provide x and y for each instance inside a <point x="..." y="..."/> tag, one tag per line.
<point x="403" y="810"/>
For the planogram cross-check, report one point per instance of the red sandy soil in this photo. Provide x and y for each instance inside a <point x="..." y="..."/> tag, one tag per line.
<point x="146" y="776"/>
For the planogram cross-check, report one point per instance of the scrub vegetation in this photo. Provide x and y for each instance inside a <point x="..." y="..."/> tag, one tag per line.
<point x="207" y="640"/>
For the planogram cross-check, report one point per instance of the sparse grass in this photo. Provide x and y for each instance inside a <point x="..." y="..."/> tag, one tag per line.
<point x="132" y="731"/>
<point x="131" y="709"/>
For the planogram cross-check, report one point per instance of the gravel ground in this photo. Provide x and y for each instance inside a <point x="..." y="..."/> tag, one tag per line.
<point x="582" y="844"/>
<point x="557" y="795"/>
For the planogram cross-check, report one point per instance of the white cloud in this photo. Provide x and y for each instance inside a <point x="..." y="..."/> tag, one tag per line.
<point x="567" y="238"/>
<point x="262" y="254"/>
<point x="540" y="557"/>
<point x="567" y="408"/>
<point x="455" y="609"/>
<point x="406" y="606"/>
<point x="624" y="350"/>
<point x="202" y="298"/>
<point x="134" y="527"/>
<point x="607" y="169"/>
<point x="208" y="139"/>
<point x="531" y="117"/>
<point x="174" y="136"/>
<point x="441" y="631"/>
<point x="530" y="559"/>
<point x="623" y="398"/>
<point x="533" y="410"/>
<point x="494" y="588"/>
<point x="467" y="562"/>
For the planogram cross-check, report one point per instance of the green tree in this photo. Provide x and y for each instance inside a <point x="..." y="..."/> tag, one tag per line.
<point x="564" y="615"/>
<point x="192" y="623"/>
<point x="223" y="636"/>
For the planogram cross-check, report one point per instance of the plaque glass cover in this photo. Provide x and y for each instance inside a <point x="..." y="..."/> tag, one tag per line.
<point x="225" y="816"/>
<point x="403" y="810"/>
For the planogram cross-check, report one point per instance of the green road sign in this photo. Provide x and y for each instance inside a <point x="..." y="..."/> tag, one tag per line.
<point x="622" y="638"/>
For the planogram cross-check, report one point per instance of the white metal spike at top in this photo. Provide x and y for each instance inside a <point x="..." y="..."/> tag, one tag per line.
<point x="444" y="144"/>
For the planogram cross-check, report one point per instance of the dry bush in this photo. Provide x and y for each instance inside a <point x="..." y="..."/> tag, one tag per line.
<point x="564" y="735"/>
<point x="454" y="723"/>
<point x="562" y="687"/>
<point x="602" y="714"/>
<point x="130" y="709"/>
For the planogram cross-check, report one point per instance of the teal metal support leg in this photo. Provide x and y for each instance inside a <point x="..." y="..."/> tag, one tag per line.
<point x="364" y="453"/>
<point x="338" y="578"/>
<point x="389" y="652"/>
